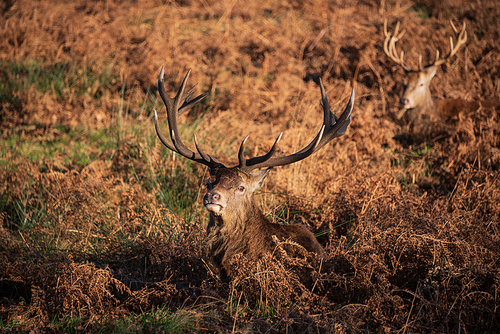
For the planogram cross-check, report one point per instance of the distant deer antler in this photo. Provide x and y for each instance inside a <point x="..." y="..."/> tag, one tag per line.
<point x="332" y="127"/>
<point x="390" y="47"/>
<point x="462" y="38"/>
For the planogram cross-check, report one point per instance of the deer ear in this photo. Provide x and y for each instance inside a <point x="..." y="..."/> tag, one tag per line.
<point x="430" y="71"/>
<point x="259" y="176"/>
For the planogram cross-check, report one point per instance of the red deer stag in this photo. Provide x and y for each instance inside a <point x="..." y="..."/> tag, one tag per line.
<point x="236" y="224"/>
<point x="421" y="109"/>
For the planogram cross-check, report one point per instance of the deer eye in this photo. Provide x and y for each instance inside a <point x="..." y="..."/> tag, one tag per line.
<point x="241" y="188"/>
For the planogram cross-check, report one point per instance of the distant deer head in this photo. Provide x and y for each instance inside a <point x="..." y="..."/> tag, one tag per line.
<point x="416" y="91"/>
<point x="236" y="224"/>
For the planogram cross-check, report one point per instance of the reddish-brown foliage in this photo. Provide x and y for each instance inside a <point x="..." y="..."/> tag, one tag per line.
<point x="419" y="239"/>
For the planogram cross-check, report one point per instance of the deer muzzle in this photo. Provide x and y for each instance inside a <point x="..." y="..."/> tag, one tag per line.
<point x="214" y="202"/>
<point x="404" y="102"/>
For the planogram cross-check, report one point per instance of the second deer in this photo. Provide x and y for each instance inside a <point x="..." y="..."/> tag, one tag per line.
<point x="421" y="109"/>
<point x="236" y="224"/>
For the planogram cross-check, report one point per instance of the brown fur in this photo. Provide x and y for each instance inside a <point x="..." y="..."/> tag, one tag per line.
<point x="241" y="227"/>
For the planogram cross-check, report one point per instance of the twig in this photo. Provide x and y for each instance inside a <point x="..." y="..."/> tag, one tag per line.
<point x="363" y="210"/>
<point x="411" y="308"/>
<point x="317" y="39"/>
<point x="226" y="13"/>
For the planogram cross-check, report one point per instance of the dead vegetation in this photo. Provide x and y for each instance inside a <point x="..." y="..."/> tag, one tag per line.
<point x="100" y="226"/>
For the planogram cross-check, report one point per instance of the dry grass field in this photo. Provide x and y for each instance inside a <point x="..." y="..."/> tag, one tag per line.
<point x="102" y="228"/>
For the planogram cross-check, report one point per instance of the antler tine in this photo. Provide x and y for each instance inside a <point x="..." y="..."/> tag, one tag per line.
<point x="205" y="156"/>
<point x="332" y="127"/>
<point x="462" y="38"/>
<point x="390" y="46"/>
<point x="453" y="27"/>
<point x="173" y="111"/>
<point x="241" y="157"/>
<point x="437" y="56"/>
<point x="186" y="96"/>
<point x="245" y="164"/>
<point x="163" y="139"/>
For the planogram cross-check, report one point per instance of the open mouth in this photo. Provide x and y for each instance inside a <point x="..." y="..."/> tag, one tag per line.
<point x="214" y="208"/>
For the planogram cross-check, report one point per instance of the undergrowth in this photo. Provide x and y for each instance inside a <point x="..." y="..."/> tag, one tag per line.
<point x="102" y="228"/>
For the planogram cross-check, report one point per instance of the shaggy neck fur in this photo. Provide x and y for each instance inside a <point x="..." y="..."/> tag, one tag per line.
<point x="231" y="232"/>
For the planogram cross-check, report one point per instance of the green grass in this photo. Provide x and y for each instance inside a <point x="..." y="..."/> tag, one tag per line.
<point x="74" y="147"/>
<point x="24" y="211"/>
<point x="421" y="151"/>
<point x="160" y="320"/>
<point x="423" y="11"/>
<point x="412" y="165"/>
<point x="125" y="146"/>
<point x="62" y="79"/>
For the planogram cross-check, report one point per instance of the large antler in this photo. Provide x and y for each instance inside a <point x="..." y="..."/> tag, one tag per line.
<point x="390" y="47"/>
<point x="173" y="111"/>
<point x="332" y="127"/>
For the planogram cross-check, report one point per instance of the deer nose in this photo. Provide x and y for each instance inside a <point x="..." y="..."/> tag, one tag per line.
<point x="212" y="197"/>
<point x="404" y="101"/>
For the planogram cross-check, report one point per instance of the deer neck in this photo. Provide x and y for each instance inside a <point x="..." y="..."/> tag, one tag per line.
<point x="229" y="234"/>
<point x="427" y="104"/>
<point x="238" y="219"/>
<point x="423" y="110"/>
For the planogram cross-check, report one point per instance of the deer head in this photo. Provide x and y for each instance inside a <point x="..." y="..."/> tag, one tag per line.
<point x="331" y="128"/>
<point x="236" y="223"/>
<point x="416" y="91"/>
